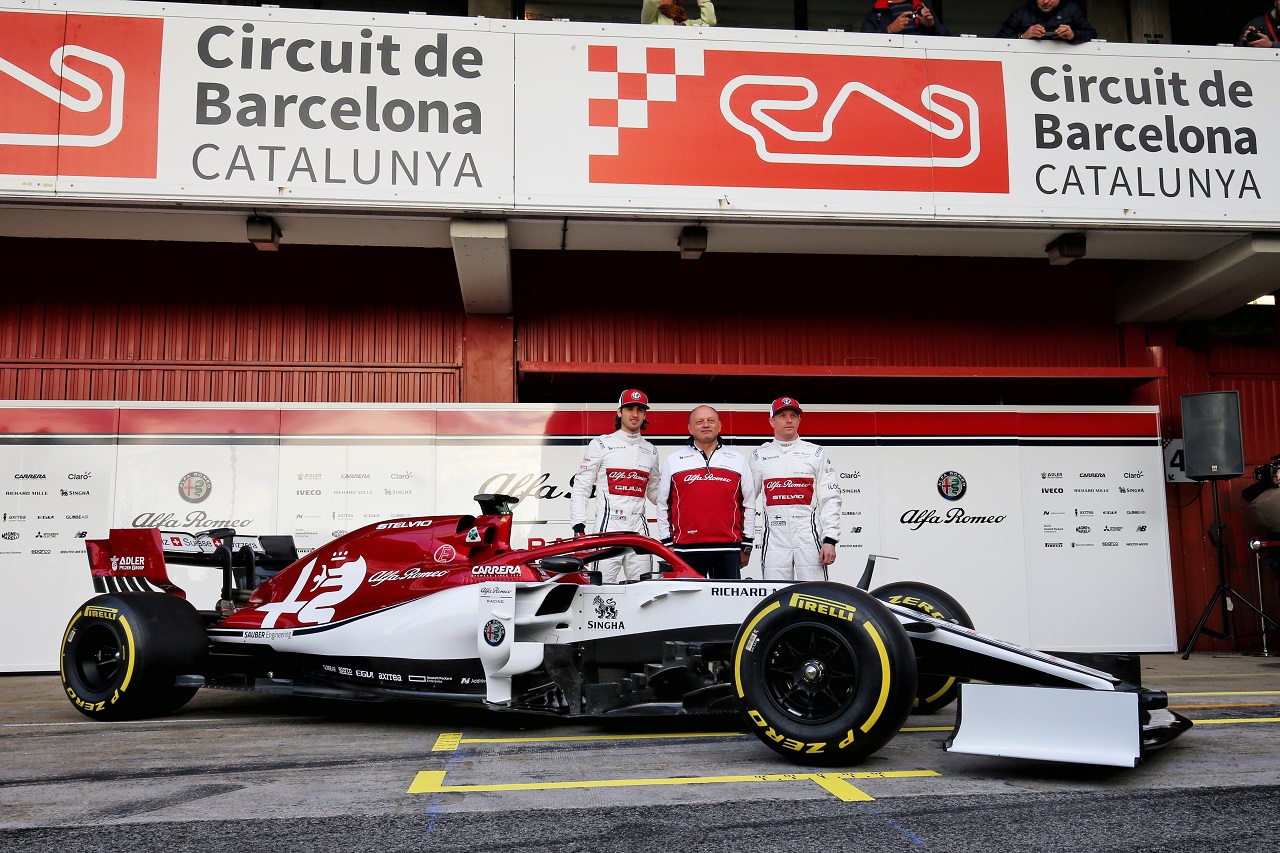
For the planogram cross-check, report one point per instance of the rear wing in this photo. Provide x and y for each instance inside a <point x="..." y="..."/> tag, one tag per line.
<point x="137" y="559"/>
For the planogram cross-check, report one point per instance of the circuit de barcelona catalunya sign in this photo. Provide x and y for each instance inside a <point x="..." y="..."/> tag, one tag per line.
<point x="163" y="104"/>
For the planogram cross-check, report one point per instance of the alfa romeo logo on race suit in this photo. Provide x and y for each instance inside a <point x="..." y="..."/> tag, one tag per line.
<point x="194" y="487"/>
<point x="494" y="632"/>
<point x="952" y="485"/>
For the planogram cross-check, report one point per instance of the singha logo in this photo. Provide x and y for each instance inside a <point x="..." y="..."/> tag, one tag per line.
<point x="606" y="608"/>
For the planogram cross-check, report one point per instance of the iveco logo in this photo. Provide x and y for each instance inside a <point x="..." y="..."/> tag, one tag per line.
<point x="1052" y="491"/>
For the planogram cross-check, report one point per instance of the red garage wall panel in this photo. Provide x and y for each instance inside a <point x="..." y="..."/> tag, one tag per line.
<point x="802" y="310"/>
<point x="219" y="322"/>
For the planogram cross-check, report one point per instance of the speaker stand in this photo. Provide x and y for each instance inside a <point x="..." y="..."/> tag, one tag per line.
<point x="1224" y="592"/>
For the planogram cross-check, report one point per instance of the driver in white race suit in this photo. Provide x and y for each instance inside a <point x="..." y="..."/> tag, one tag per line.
<point x="622" y="470"/>
<point x="801" y="496"/>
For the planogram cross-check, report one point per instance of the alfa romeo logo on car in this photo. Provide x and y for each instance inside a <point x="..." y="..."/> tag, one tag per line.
<point x="494" y="632"/>
<point x="952" y="486"/>
<point x="194" y="487"/>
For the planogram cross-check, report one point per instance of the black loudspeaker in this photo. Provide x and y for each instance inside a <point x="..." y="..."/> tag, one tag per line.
<point x="1212" y="445"/>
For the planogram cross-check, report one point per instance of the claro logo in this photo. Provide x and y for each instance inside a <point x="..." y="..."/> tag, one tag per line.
<point x="81" y="94"/>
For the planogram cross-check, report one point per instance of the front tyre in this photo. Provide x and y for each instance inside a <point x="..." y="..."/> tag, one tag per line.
<point x="121" y="653"/>
<point x="933" y="692"/>
<point x="824" y="673"/>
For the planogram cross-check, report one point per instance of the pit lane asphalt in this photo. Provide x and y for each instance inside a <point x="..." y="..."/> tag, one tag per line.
<point x="257" y="772"/>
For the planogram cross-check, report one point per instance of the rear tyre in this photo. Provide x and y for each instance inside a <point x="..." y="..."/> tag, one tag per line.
<point x="933" y="692"/>
<point x="824" y="673"/>
<point x="121" y="653"/>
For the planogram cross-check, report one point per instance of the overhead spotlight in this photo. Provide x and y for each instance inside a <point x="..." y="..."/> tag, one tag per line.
<point x="1065" y="248"/>
<point x="692" y="242"/>
<point x="263" y="232"/>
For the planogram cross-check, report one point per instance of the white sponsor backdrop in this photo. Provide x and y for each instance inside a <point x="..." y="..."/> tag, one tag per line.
<point x="1061" y="544"/>
<point x="442" y="114"/>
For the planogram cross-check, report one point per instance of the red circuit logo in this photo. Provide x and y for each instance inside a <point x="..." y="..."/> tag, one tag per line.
<point x="800" y="121"/>
<point x="81" y="95"/>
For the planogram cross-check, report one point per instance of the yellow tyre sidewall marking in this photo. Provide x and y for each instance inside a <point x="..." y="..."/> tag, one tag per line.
<point x="66" y="635"/>
<point x="128" y="651"/>
<point x="945" y="688"/>
<point x="885" y="679"/>
<point x="746" y="635"/>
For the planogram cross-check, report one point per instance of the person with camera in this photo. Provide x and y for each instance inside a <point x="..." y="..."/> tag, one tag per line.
<point x="904" y="17"/>
<point x="801" y="495"/>
<point x="1047" y="20"/>
<point x="1262" y="31"/>
<point x="620" y="470"/>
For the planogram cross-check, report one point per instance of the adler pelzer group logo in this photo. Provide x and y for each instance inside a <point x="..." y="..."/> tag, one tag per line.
<point x="797" y="120"/>
<point x="81" y="94"/>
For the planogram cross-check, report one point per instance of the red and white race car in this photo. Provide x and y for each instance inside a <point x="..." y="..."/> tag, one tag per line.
<point x="442" y="609"/>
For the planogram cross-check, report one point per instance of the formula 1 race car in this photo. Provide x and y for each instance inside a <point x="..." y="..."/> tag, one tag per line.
<point x="443" y="609"/>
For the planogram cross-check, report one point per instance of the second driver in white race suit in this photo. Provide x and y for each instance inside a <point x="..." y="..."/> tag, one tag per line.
<point x="801" y="495"/>
<point x="622" y="469"/>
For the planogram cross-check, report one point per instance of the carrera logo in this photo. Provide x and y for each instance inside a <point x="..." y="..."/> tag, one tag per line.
<point x="800" y="121"/>
<point x="81" y="94"/>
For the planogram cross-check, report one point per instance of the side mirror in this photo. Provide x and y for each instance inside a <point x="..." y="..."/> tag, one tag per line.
<point x="561" y="565"/>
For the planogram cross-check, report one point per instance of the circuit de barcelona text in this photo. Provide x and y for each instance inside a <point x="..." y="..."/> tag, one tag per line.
<point x="311" y="125"/>
<point x="1135" y="135"/>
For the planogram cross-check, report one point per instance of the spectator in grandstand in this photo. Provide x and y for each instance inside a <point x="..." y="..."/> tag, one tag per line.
<point x="1048" y="19"/>
<point x="672" y="13"/>
<point x="904" y="17"/>
<point x="1262" y="31"/>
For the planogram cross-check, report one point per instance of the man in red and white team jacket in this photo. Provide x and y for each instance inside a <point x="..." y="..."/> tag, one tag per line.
<point x="706" y="501"/>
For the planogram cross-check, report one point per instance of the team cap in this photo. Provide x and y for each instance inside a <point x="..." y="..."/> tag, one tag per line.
<point x="785" y="403"/>
<point x="633" y="397"/>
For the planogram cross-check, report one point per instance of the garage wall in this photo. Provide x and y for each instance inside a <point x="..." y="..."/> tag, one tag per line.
<point x="829" y="310"/>
<point x="179" y="321"/>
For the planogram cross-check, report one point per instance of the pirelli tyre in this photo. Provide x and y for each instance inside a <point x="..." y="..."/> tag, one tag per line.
<point x="933" y="692"/>
<point x="824" y="673"/>
<point x="121" y="653"/>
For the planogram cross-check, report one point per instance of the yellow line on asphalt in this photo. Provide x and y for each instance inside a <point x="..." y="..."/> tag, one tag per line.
<point x="432" y="782"/>
<point x="1237" y="720"/>
<point x="1231" y="693"/>
<point x="1222" y="705"/>
<point x="450" y="741"/>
